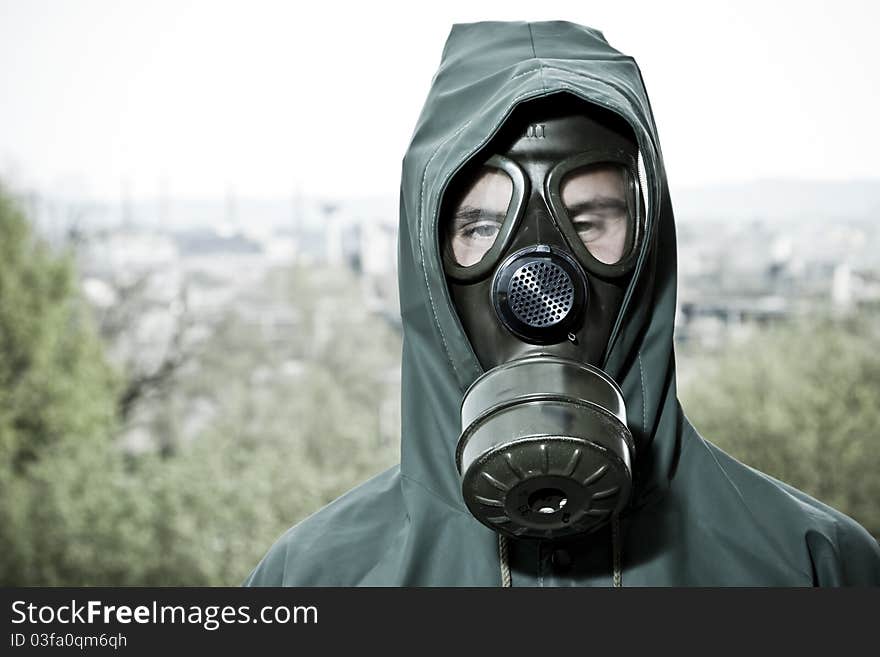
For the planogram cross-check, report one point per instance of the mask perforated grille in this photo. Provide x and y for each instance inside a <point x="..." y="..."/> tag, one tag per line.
<point x="541" y="294"/>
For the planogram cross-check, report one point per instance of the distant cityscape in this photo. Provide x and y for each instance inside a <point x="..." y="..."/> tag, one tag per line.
<point x="747" y="254"/>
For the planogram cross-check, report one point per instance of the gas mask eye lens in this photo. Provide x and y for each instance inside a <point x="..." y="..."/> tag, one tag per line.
<point x="474" y="222"/>
<point x="597" y="200"/>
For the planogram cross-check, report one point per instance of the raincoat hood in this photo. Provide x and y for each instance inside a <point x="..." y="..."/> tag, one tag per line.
<point x="487" y="69"/>
<point x="697" y="516"/>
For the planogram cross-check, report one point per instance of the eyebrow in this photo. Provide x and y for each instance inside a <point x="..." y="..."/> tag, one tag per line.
<point x="467" y="213"/>
<point x="597" y="203"/>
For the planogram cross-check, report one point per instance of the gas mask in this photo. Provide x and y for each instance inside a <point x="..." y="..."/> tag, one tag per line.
<point x="539" y="238"/>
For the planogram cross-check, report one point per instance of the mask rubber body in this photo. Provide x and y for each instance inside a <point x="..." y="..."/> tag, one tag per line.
<point x="544" y="450"/>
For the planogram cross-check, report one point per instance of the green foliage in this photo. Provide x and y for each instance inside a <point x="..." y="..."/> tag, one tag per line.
<point x="297" y="423"/>
<point x="57" y="395"/>
<point x="294" y="425"/>
<point x="54" y="385"/>
<point x="800" y="402"/>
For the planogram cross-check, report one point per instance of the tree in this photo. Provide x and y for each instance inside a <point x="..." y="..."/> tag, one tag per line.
<point x="57" y="394"/>
<point x="296" y="422"/>
<point x="801" y="402"/>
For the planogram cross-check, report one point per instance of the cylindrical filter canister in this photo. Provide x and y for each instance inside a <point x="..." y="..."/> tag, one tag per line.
<point x="544" y="451"/>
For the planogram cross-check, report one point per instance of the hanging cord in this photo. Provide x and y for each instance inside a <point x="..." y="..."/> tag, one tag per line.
<point x="502" y="555"/>
<point x="615" y="550"/>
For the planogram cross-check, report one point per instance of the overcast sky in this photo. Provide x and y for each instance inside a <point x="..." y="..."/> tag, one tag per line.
<point x="192" y="99"/>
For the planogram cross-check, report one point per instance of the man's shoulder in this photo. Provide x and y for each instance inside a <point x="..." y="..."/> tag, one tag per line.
<point x="341" y="542"/>
<point x="826" y="543"/>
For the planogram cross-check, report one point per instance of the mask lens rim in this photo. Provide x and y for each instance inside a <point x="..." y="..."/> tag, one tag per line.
<point x="635" y="202"/>
<point x="486" y="265"/>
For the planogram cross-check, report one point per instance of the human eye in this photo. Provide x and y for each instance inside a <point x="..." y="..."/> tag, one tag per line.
<point x="599" y="224"/>
<point x="588" y="229"/>
<point x="480" y="229"/>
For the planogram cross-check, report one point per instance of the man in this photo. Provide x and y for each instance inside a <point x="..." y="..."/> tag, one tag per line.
<point x="543" y="443"/>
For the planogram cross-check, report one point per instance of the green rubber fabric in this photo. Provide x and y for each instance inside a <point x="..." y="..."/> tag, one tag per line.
<point x="697" y="516"/>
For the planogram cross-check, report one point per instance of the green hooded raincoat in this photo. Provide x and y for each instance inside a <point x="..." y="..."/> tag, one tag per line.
<point x="697" y="517"/>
